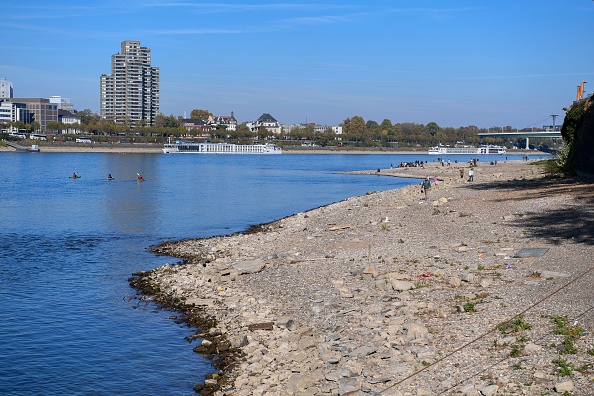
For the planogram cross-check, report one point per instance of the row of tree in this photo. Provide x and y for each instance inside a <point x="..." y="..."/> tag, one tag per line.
<point x="355" y="131"/>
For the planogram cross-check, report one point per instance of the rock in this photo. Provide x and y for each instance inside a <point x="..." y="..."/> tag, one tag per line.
<point x="552" y="274"/>
<point x="400" y="285"/>
<point x="363" y="351"/>
<point x="532" y="348"/>
<point x="489" y="390"/>
<point x="371" y="271"/>
<point x="300" y="382"/>
<point x="249" y="266"/>
<point x="416" y="331"/>
<point x="455" y="281"/>
<point x="486" y="281"/>
<point x="286" y="323"/>
<point x="565" y="386"/>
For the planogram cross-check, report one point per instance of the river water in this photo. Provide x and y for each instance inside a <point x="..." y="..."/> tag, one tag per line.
<point x="68" y="324"/>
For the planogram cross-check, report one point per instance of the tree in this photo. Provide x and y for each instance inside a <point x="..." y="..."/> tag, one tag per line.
<point x="432" y="128"/>
<point x="200" y="114"/>
<point x="85" y="116"/>
<point x="354" y="129"/>
<point x="53" y="126"/>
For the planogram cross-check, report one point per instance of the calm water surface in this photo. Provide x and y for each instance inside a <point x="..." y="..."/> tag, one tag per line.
<point x="67" y="248"/>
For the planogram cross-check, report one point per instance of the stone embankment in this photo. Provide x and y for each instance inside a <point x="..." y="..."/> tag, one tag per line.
<point x="483" y="289"/>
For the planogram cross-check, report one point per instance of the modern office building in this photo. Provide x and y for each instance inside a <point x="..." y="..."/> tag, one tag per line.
<point x="31" y="110"/>
<point x="6" y="91"/>
<point x="62" y="103"/>
<point x="131" y="93"/>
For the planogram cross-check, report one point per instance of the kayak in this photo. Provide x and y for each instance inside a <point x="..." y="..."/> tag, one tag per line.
<point x="110" y="178"/>
<point x="75" y="177"/>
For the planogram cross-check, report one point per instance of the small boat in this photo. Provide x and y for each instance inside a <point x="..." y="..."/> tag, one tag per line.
<point x="110" y="178"/>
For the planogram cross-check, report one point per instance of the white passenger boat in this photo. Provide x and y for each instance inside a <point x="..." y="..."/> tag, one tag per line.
<point x="488" y="149"/>
<point x="219" y="148"/>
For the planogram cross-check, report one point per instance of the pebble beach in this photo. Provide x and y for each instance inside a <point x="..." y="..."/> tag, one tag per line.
<point x="483" y="288"/>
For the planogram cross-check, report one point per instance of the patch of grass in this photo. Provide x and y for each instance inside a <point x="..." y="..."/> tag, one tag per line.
<point x="469" y="307"/>
<point x="549" y="166"/>
<point x="426" y="363"/>
<point x="567" y="347"/>
<point x="480" y="267"/>
<point x="462" y="214"/>
<point x="563" y="327"/>
<point x="516" y="350"/>
<point x="520" y="324"/>
<point x="517" y="325"/>
<point x="482" y="295"/>
<point x="564" y="367"/>
<point x="384" y="226"/>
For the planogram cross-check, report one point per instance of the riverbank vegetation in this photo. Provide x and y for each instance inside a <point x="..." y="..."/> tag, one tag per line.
<point x="356" y="132"/>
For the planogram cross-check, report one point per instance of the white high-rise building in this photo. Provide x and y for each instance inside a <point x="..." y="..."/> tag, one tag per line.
<point x="6" y="91"/>
<point x="131" y="93"/>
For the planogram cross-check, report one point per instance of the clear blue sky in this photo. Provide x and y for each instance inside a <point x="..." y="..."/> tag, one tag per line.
<point x="457" y="62"/>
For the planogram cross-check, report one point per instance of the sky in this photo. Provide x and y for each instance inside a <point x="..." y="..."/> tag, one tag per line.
<point x="487" y="63"/>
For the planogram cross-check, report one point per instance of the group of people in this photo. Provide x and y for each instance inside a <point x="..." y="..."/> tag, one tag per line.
<point x="109" y="177"/>
<point x="415" y="164"/>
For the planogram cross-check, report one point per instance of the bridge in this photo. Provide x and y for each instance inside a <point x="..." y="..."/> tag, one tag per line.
<point x="526" y="135"/>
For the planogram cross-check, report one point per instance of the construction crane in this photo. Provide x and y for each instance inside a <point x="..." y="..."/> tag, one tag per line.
<point x="580" y="90"/>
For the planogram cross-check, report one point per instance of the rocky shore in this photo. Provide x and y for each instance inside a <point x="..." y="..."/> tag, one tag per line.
<point x="484" y="288"/>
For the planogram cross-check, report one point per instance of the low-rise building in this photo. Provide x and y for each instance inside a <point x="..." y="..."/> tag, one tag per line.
<point x="71" y="122"/>
<point x="229" y="122"/>
<point x="267" y="121"/>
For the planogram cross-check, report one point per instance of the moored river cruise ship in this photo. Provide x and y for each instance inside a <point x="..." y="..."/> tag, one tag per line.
<point x="182" y="147"/>
<point x="467" y="150"/>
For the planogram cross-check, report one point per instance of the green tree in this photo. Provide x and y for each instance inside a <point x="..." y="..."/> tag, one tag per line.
<point x="354" y="129"/>
<point x="53" y="126"/>
<point x="432" y="128"/>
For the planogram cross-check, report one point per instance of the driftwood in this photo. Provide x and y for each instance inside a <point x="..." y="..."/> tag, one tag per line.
<point x="261" y="326"/>
<point x="341" y="227"/>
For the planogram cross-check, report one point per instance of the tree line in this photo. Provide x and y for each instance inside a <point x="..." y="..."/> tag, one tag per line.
<point x="355" y="131"/>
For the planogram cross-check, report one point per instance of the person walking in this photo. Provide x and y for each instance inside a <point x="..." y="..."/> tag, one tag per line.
<point x="426" y="185"/>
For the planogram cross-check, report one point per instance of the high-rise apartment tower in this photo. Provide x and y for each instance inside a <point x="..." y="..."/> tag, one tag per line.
<point x="5" y="88"/>
<point x="131" y="93"/>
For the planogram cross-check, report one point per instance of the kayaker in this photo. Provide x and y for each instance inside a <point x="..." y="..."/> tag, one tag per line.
<point x="109" y="176"/>
<point x="74" y="175"/>
<point x="140" y="178"/>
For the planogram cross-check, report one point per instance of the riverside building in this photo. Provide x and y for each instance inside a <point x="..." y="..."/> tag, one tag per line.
<point x="130" y="95"/>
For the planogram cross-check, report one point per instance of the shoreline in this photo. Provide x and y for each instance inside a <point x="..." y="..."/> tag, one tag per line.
<point x="150" y="148"/>
<point x="385" y="292"/>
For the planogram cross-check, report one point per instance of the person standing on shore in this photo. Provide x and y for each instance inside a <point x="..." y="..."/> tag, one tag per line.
<point x="471" y="175"/>
<point x="461" y="173"/>
<point x="426" y="185"/>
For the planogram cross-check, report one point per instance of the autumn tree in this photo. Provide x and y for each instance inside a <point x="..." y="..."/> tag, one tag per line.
<point x="200" y="114"/>
<point x="354" y="129"/>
